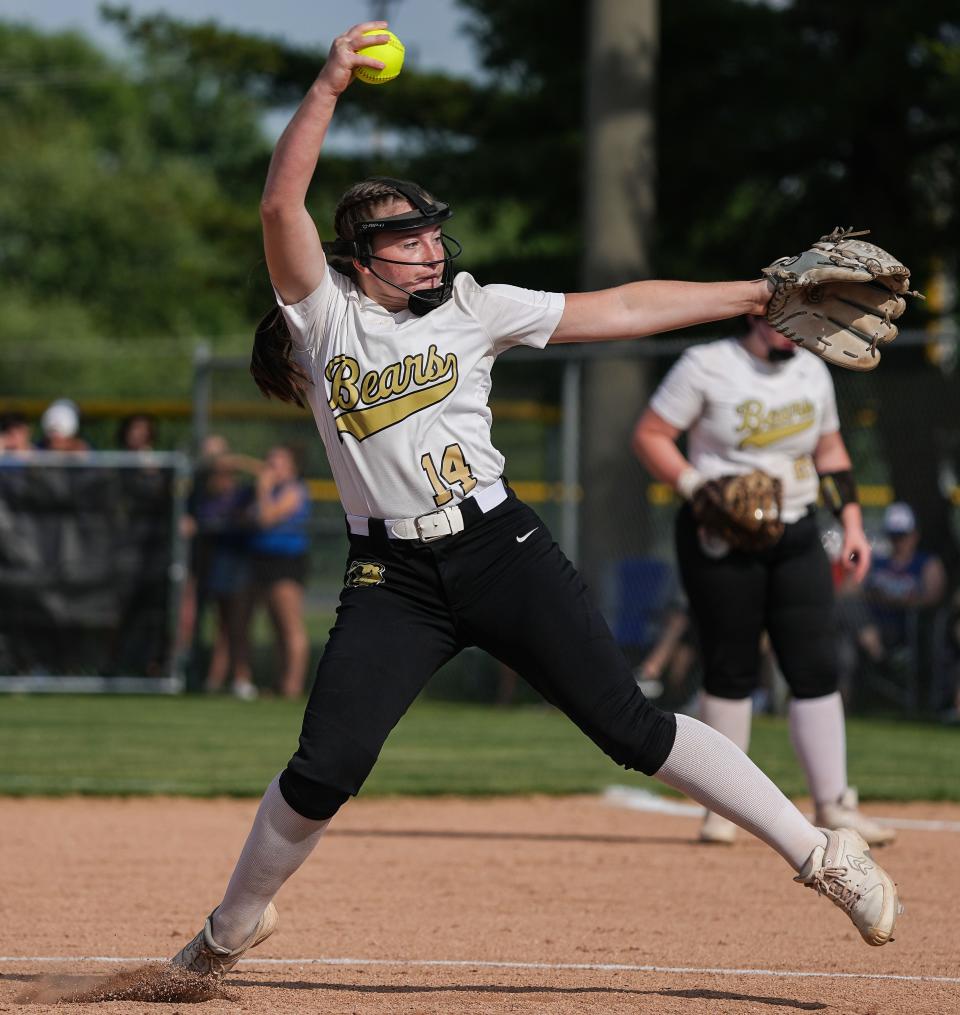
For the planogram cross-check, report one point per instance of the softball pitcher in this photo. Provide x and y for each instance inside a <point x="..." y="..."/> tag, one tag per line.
<point x="393" y="353"/>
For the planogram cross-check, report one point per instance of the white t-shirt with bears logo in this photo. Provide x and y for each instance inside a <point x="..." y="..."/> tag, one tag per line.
<point x="743" y="413"/>
<point x="401" y="401"/>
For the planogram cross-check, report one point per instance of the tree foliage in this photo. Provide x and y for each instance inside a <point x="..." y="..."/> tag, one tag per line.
<point x="103" y="206"/>
<point x="129" y="190"/>
<point x="776" y="125"/>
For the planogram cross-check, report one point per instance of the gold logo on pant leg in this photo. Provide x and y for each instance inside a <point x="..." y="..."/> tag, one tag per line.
<point x="363" y="574"/>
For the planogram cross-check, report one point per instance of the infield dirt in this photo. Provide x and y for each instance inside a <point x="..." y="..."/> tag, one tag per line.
<point x="536" y="883"/>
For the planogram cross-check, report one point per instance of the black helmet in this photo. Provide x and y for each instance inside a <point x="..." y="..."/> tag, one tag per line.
<point x="426" y="212"/>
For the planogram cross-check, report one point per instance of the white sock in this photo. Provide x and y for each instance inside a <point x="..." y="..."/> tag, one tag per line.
<point x="277" y="845"/>
<point x="729" y="716"/>
<point x="819" y="738"/>
<point x="708" y="768"/>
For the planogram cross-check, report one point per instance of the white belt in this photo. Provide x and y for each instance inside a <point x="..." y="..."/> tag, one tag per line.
<point x="447" y="521"/>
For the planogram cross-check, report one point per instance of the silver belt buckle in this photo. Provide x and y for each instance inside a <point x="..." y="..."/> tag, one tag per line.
<point x="425" y="537"/>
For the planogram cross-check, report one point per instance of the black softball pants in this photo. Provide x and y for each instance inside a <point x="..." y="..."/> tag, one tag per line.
<point x="786" y="590"/>
<point x="520" y="600"/>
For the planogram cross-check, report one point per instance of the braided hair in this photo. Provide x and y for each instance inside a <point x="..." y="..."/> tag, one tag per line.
<point x="366" y="200"/>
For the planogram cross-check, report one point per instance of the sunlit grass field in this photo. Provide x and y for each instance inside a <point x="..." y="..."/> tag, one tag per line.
<point x="209" y="746"/>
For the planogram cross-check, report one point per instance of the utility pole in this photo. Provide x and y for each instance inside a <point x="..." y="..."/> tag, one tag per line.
<point x="379" y="11"/>
<point x="619" y="211"/>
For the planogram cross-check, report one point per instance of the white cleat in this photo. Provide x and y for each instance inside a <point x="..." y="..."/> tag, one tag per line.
<point x="845" y="813"/>
<point x="851" y="879"/>
<point x="204" y="956"/>
<point x="717" y="830"/>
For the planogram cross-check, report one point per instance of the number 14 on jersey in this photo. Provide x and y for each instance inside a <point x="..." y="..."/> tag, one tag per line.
<point x="453" y="469"/>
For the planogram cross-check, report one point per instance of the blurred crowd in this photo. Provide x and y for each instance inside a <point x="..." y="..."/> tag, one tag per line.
<point x="59" y="430"/>
<point x="899" y="633"/>
<point x="246" y="522"/>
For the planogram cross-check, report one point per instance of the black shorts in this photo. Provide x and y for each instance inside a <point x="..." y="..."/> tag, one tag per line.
<point x="406" y="608"/>
<point x="278" y="567"/>
<point x="786" y="590"/>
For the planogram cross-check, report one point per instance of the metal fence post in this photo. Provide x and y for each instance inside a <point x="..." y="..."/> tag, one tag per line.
<point x="202" y="379"/>
<point x="570" y="459"/>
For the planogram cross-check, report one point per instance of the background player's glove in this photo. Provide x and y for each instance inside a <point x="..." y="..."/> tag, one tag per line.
<point x="839" y="298"/>
<point x="742" y="510"/>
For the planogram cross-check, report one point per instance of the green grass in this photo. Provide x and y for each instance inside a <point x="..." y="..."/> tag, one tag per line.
<point x="198" y="746"/>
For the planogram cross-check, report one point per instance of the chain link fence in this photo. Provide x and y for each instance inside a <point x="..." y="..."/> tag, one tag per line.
<point x="900" y="422"/>
<point x="562" y="418"/>
<point x="92" y="567"/>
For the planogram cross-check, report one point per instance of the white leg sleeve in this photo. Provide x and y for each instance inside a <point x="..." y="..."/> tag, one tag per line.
<point x="277" y="845"/>
<point x="729" y="716"/>
<point x="708" y="768"/>
<point x="819" y="737"/>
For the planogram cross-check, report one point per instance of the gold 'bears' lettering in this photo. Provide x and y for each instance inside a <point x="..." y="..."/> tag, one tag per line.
<point x="372" y="401"/>
<point x="762" y="426"/>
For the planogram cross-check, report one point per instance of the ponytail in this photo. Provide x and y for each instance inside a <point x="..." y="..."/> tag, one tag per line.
<point x="275" y="373"/>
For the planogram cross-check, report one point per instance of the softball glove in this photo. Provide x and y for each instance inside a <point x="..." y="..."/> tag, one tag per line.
<point x="742" y="510"/>
<point x="839" y="299"/>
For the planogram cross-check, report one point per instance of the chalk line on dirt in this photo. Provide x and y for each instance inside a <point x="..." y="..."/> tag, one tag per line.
<point x="635" y="799"/>
<point x="602" y="967"/>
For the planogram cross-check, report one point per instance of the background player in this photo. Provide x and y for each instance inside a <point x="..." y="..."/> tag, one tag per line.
<point x="760" y="403"/>
<point x="394" y="358"/>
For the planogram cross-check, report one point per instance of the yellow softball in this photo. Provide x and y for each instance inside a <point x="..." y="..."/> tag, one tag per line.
<point x="389" y="52"/>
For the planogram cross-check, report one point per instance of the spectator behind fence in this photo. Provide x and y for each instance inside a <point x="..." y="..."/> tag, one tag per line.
<point x="146" y="488"/>
<point x="60" y="424"/>
<point x="901" y="582"/>
<point x="856" y="634"/>
<point x="14" y="433"/>
<point x="279" y="546"/>
<point x="221" y="507"/>
<point x="666" y="668"/>
<point x="191" y="604"/>
<point x="137" y="432"/>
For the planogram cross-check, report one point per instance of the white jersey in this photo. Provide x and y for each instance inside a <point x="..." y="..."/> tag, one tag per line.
<point x="744" y="413"/>
<point x="401" y="401"/>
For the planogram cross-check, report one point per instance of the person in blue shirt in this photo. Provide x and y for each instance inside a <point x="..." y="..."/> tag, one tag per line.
<point x="902" y="581"/>
<point x="220" y="509"/>
<point x="279" y="546"/>
<point x="906" y="579"/>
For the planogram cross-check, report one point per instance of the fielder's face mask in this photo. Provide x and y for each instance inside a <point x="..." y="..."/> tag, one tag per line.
<point x="775" y="353"/>
<point x="425" y="213"/>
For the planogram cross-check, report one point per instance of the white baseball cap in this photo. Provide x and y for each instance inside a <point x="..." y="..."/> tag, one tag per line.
<point x="60" y="418"/>
<point x="899" y="519"/>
